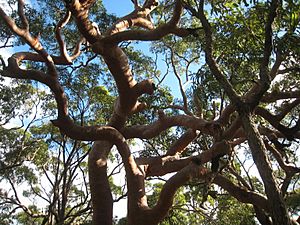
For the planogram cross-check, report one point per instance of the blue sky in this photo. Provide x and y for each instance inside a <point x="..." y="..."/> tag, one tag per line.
<point x="118" y="7"/>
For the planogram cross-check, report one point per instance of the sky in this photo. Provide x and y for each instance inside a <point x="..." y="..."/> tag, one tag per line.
<point x="118" y="7"/>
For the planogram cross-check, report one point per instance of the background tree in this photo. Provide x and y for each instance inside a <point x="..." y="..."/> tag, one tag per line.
<point x="240" y="61"/>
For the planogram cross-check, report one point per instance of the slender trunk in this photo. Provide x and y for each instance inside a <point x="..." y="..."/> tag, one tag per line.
<point x="279" y="212"/>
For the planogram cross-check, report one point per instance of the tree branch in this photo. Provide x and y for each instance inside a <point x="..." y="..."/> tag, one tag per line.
<point x="61" y="42"/>
<point x="139" y="17"/>
<point x="159" y="166"/>
<point x="166" y="196"/>
<point x="263" y="71"/>
<point x="152" y="130"/>
<point x="22" y="16"/>
<point x="180" y="144"/>
<point x="80" y="11"/>
<point x="289" y="169"/>
<point x="31" y="41"/>
<point x="211" y="61"/>
<point x="242" y="194"/>
<point x="155" y="34"/>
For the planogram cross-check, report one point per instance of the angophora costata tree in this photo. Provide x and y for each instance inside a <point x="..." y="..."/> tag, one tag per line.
<point x="235" y="125"/>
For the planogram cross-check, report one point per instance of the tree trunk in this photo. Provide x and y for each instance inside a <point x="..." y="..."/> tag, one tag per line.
<point x="102" y="200"/>
<point x="277" y="206"/>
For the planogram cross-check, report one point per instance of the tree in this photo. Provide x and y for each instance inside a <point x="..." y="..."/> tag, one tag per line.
<point x="241" y="58"/>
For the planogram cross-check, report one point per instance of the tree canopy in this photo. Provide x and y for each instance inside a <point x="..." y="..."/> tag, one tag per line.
<point x="194" y="105"/>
